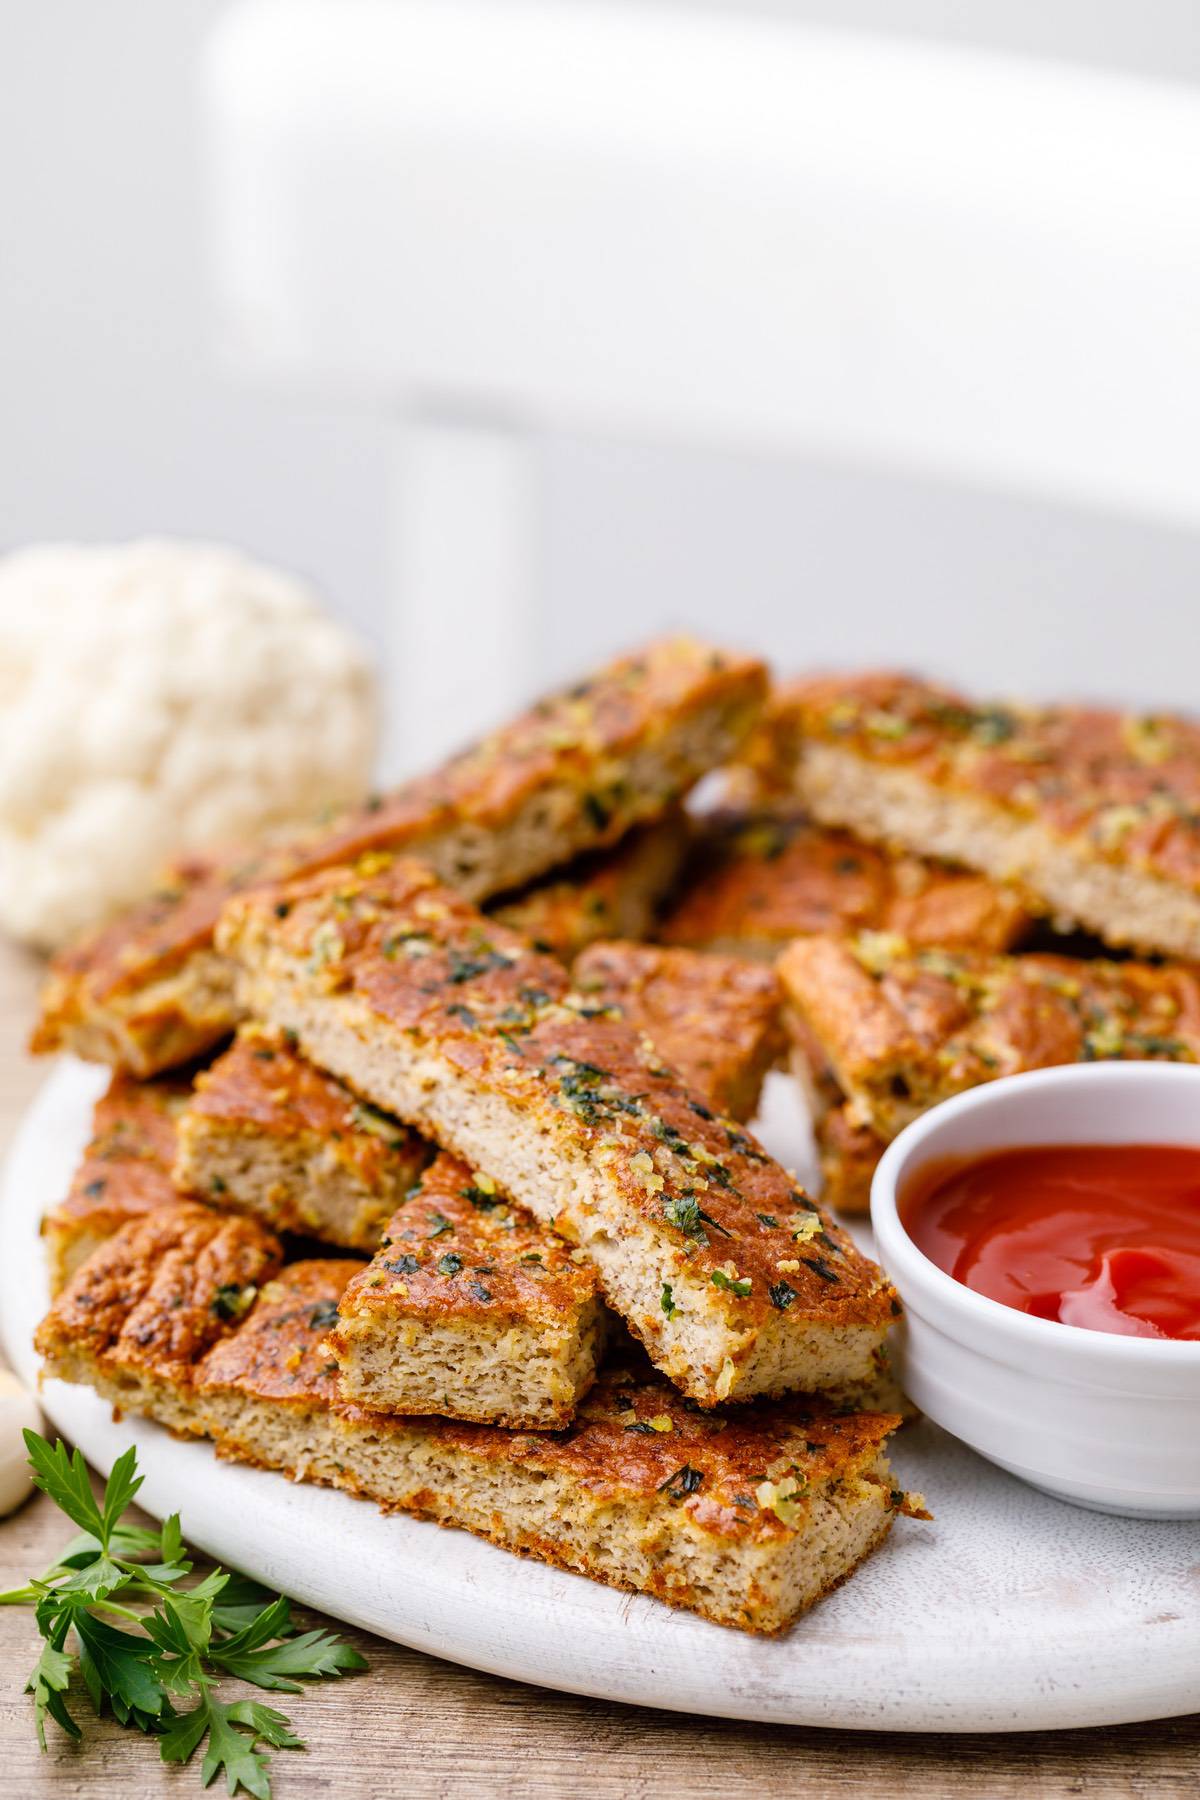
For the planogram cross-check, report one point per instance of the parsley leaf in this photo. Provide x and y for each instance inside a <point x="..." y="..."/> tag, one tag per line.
<point x="174" y="1641"/>
<point x="48" y="1683"/>
<point x="123" y="1483"/>
<point x="118" y="1664"/>
<point x="377" y="1124"/>
<point x="819" y="1267"/>
<point x="683" y="1482"/>
<point x="686" y="1213"/>
<point x="480" y="1197"/>
<point x="239" y="1603"/>
<point x="231" y="1301"/>
<point x="231" y="1751"/>
<point x="65" y="1479"/>
<point x="739" y="1289"/>
<point x="403" y="1265"/>
<point x="270" y="1665"/>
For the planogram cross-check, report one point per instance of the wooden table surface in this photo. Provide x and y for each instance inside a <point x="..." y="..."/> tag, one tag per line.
<point x="423" y="1729"/>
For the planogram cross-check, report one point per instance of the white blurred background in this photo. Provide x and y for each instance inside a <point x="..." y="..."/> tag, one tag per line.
<point x="117" y="417"/>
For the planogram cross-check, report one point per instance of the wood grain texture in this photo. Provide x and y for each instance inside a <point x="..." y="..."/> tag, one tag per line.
<point x="426" y="1730"/>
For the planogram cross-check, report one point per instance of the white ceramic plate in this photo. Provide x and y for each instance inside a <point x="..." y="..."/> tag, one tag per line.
<point x="1013" y="1611"/>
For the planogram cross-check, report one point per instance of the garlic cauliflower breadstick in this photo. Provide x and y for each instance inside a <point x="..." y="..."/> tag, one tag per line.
<point x="137" y="1316"/>
<point x="746" y="1518"/>
<point x="574" y="773"/>
<point x="125" y="1172"/>
<point x="889" y="1028"/>
<point x="716" y="1019"/>
<point x="266" y="1133"/>
<point x="723" y="1267"/>
<point x="1095" y="813"/>
<point x="471" y="1309"/>
<point x="903" y="1029"/>
<point x="758" y="878"/>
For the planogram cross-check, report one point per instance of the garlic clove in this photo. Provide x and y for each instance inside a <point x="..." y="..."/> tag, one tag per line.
<point x="18" y="1413"/>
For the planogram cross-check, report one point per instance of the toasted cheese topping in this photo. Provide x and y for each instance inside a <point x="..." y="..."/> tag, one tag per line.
<point x="715" y="1019"/>
<point x="280" y="1352"/>
<point x="427" y="964"/>
<point x="126" y="1168"/>
<point x="457" y="1248"/>
<point x="761" y="878"/>
<point x="161" y="1291"/>
<point x="905" y="1028"/>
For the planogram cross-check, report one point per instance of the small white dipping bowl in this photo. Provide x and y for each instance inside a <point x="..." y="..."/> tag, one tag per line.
<point x="1107" y="1421"/>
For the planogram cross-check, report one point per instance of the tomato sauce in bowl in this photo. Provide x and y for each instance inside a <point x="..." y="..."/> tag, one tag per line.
<point x="1103" y="1236"/>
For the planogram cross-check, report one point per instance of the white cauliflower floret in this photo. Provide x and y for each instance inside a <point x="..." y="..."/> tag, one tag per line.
<point x="155" y="698"/>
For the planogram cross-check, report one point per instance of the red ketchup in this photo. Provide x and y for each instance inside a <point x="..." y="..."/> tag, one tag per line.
<point x="1106" y="1236"/>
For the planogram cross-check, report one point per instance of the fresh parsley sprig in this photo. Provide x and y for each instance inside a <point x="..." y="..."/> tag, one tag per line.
<point x="114" y="1610"/>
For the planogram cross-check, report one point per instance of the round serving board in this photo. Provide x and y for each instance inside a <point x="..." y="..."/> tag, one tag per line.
<point x="1011" y="1611"/>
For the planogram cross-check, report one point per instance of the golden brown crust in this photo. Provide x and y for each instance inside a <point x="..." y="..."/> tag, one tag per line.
<point x="279" y="1352"/>
<point x="714" y="1019"/>
<point x="161" y="1291"/>
<point x="761" y="878"/>
<point x="424" y="963"/>
<point x="577" y="738"/>
<point x="746" y="1517"/>
<point x="850" y="1155"/>
<point x="127" y="1163"/>
<point x="126" y="1168"/>
<point x="261" y="1091"/>
<point x="613" y="893"/>
<point x="903" y="1029"/>
<point x="457" y="1249"/>
<point x="629" y="1436"/>
<point x="145" y="993"/>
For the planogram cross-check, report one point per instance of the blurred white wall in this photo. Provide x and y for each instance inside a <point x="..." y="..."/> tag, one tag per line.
<point x="116" y="419"/>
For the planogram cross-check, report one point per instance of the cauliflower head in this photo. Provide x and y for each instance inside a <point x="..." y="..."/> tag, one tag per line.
<point x="154" y="698"/>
